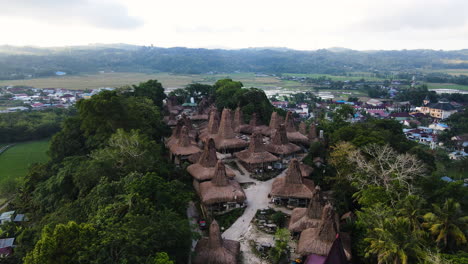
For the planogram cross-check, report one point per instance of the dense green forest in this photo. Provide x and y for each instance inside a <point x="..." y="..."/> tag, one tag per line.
<point x="18" y="63"/>
<point x="23" y="126"/>
<point x="108" y="193"/>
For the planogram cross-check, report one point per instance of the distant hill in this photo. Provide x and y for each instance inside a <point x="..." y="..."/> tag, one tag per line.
<point x="26" y="62"/>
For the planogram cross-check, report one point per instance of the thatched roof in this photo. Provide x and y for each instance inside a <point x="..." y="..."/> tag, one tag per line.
<point x="310" y="217"/>
<point x="275" y="121"/>
<point x="238" y="122"/>
<point x="280" y="144"/>
<point x="170" y="120"/>
<point x="175" y="133"/>
<point x="293" y="135"/>
<point x="172" y="105"/>
<point x="221" y="189"/>
<point x="256" y="153"/>
<point x="184" y="146"/>
<point x="204" y="168"/>
<point x="319" y="240"/>
<point x="213" y="125"/>
<point x="306" y="170"/>
<point x="216" y="250"/>
<point x="293" y="185"/>
<point x="226" y="138"/>
<point x="186" y="121"/>
<point x="253" y="126"/>
<point x="312" y="135"/>
<point x="303" y="128"/>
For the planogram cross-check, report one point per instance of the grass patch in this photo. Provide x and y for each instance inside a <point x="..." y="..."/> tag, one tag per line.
<point x="432" y="86"/>
<point x="226" y="220"/>
<point x="350" y="77"/>
<point x="266" y="217"/>
<point x="15" y="162"/>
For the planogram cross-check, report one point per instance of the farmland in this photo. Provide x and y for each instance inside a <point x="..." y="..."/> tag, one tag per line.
<point x="15" y="161"/>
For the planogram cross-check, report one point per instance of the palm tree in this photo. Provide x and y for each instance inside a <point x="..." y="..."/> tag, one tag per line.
<point x="412" y="208"/>
<point x="447" y="224"/>
<point x="394" y="242"/>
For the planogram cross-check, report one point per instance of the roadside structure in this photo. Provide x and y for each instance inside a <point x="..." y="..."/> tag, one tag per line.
<point x="216" y="250"/>
<point x="221" y="194"/>
<point x="293" y="190"/>
<point x="204" y="168"/>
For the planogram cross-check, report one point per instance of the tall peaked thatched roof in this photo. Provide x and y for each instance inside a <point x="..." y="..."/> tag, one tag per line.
<point x="312" y="132"/>
<point x="171" y="119"/>
<point x="226" y="138"/>
<point x="292" y="134"/>
<point x="303" y="128"/>
<point x="310" y="217"/>
<point x="256" y="153"/>
<point x="204" y="168"/>
<point x="280" y="144"/>
<point x="213" y="125"/>
<point x="254" y="125"/>
<point x="184" y="146"/>
<point x="306" y="170"/>
<point x="175" y="133"/>
<point x="238" y="122"/>
<point x="293" y="185"/>
<point x="275" y="121"/>
<point x="221" y="189"/>
<point x="319" y="240"/>
<point x="215" y="249"/>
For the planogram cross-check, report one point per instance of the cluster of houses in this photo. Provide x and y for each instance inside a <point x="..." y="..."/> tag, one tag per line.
<point x="39" y="99"/>
<point x="205" y="139"/>
<point x="7" y="244"/>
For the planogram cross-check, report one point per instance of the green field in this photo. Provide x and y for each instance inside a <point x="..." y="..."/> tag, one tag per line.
<point x="432" y="86"/>
<point x="350" y="77"/>
<point x="15" y="161"/>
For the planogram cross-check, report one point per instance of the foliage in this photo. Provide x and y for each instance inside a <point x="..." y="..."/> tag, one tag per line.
<point x="227" y="219"/>
<point x="279" y="251"/>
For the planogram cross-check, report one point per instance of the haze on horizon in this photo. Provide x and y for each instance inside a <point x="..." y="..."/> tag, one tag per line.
<point x="297" y="24"/>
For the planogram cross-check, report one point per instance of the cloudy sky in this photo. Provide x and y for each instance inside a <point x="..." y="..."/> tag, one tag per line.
<point x="297" y="24"/>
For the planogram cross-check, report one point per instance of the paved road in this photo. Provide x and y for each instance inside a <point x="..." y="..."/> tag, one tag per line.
<point x="257" y="198"/>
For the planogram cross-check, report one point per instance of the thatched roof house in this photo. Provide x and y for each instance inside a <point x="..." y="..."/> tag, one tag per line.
<point x="312" y="135"/>
<point x="319" y="240"/>
<point x="306" y="170"/>
<point x="256" y="156"/>
<point x="212" y="128"/>
<point x="303" y="128"/>
<point x="170" y="120"/>
<point x="275" y="121"/>
<point x="280" y="145"/>
<point x="216" y="250"/>
<point x="221" y="189"/>
<point x="204" y="168"/>
<point x="238" y="123"/>
<point x="225" y="139"/>
<point x="175" y="133"/>
<point x="202" y="111"/>
<point x="173" y="106"/>
<point x="293" y="185"/>
<point x="293" y="135"/>
<point x="253" y="126"/>
<point x="310" y="217"/>
<point x="184" y="146"/>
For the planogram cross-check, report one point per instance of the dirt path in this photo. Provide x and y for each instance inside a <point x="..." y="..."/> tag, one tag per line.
<point x="257" y="198"/>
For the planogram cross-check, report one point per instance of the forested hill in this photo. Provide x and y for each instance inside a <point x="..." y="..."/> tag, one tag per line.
<point x="26" y="62"/>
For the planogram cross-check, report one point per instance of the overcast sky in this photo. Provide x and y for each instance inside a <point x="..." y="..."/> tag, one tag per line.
<point x="297" y="24"/>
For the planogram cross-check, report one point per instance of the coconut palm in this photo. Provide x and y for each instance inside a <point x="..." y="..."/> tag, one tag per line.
<point x="394" y="242"/>
<point x="447" y="224"/>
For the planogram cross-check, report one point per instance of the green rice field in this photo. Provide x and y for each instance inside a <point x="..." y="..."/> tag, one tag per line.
<point x="15" y="161"/>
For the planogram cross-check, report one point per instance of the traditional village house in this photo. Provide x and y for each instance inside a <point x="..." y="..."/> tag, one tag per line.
<point x="318" y="241"/>
<point x="204" y="168"/>
<point x="170" y="120"/>
<point x="310" y="217"/>
<point x="186" y="121"/>
<point x="303" y="128"/>
<point x="175" y="133"/>
<point x="226" y="140"/>
<point x="292" y="134"/>
<point x="256" y="157"/>
<point x="275" y="121"/>
<point x="279" y="144"/>
<point x="173" y="106"/>
<point x="238" y="122"/>
<point x="212" y="128"/>
<point x="292" y="190"/>
<point x="216" y="250"/>
<point x="254" y="125"/>
<point x="183" y="147"/>
<point x="202" y="111"/>
<point x="306" y="170"/>
<point x="221" y="194"/>
<point x="312" y="135"/>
